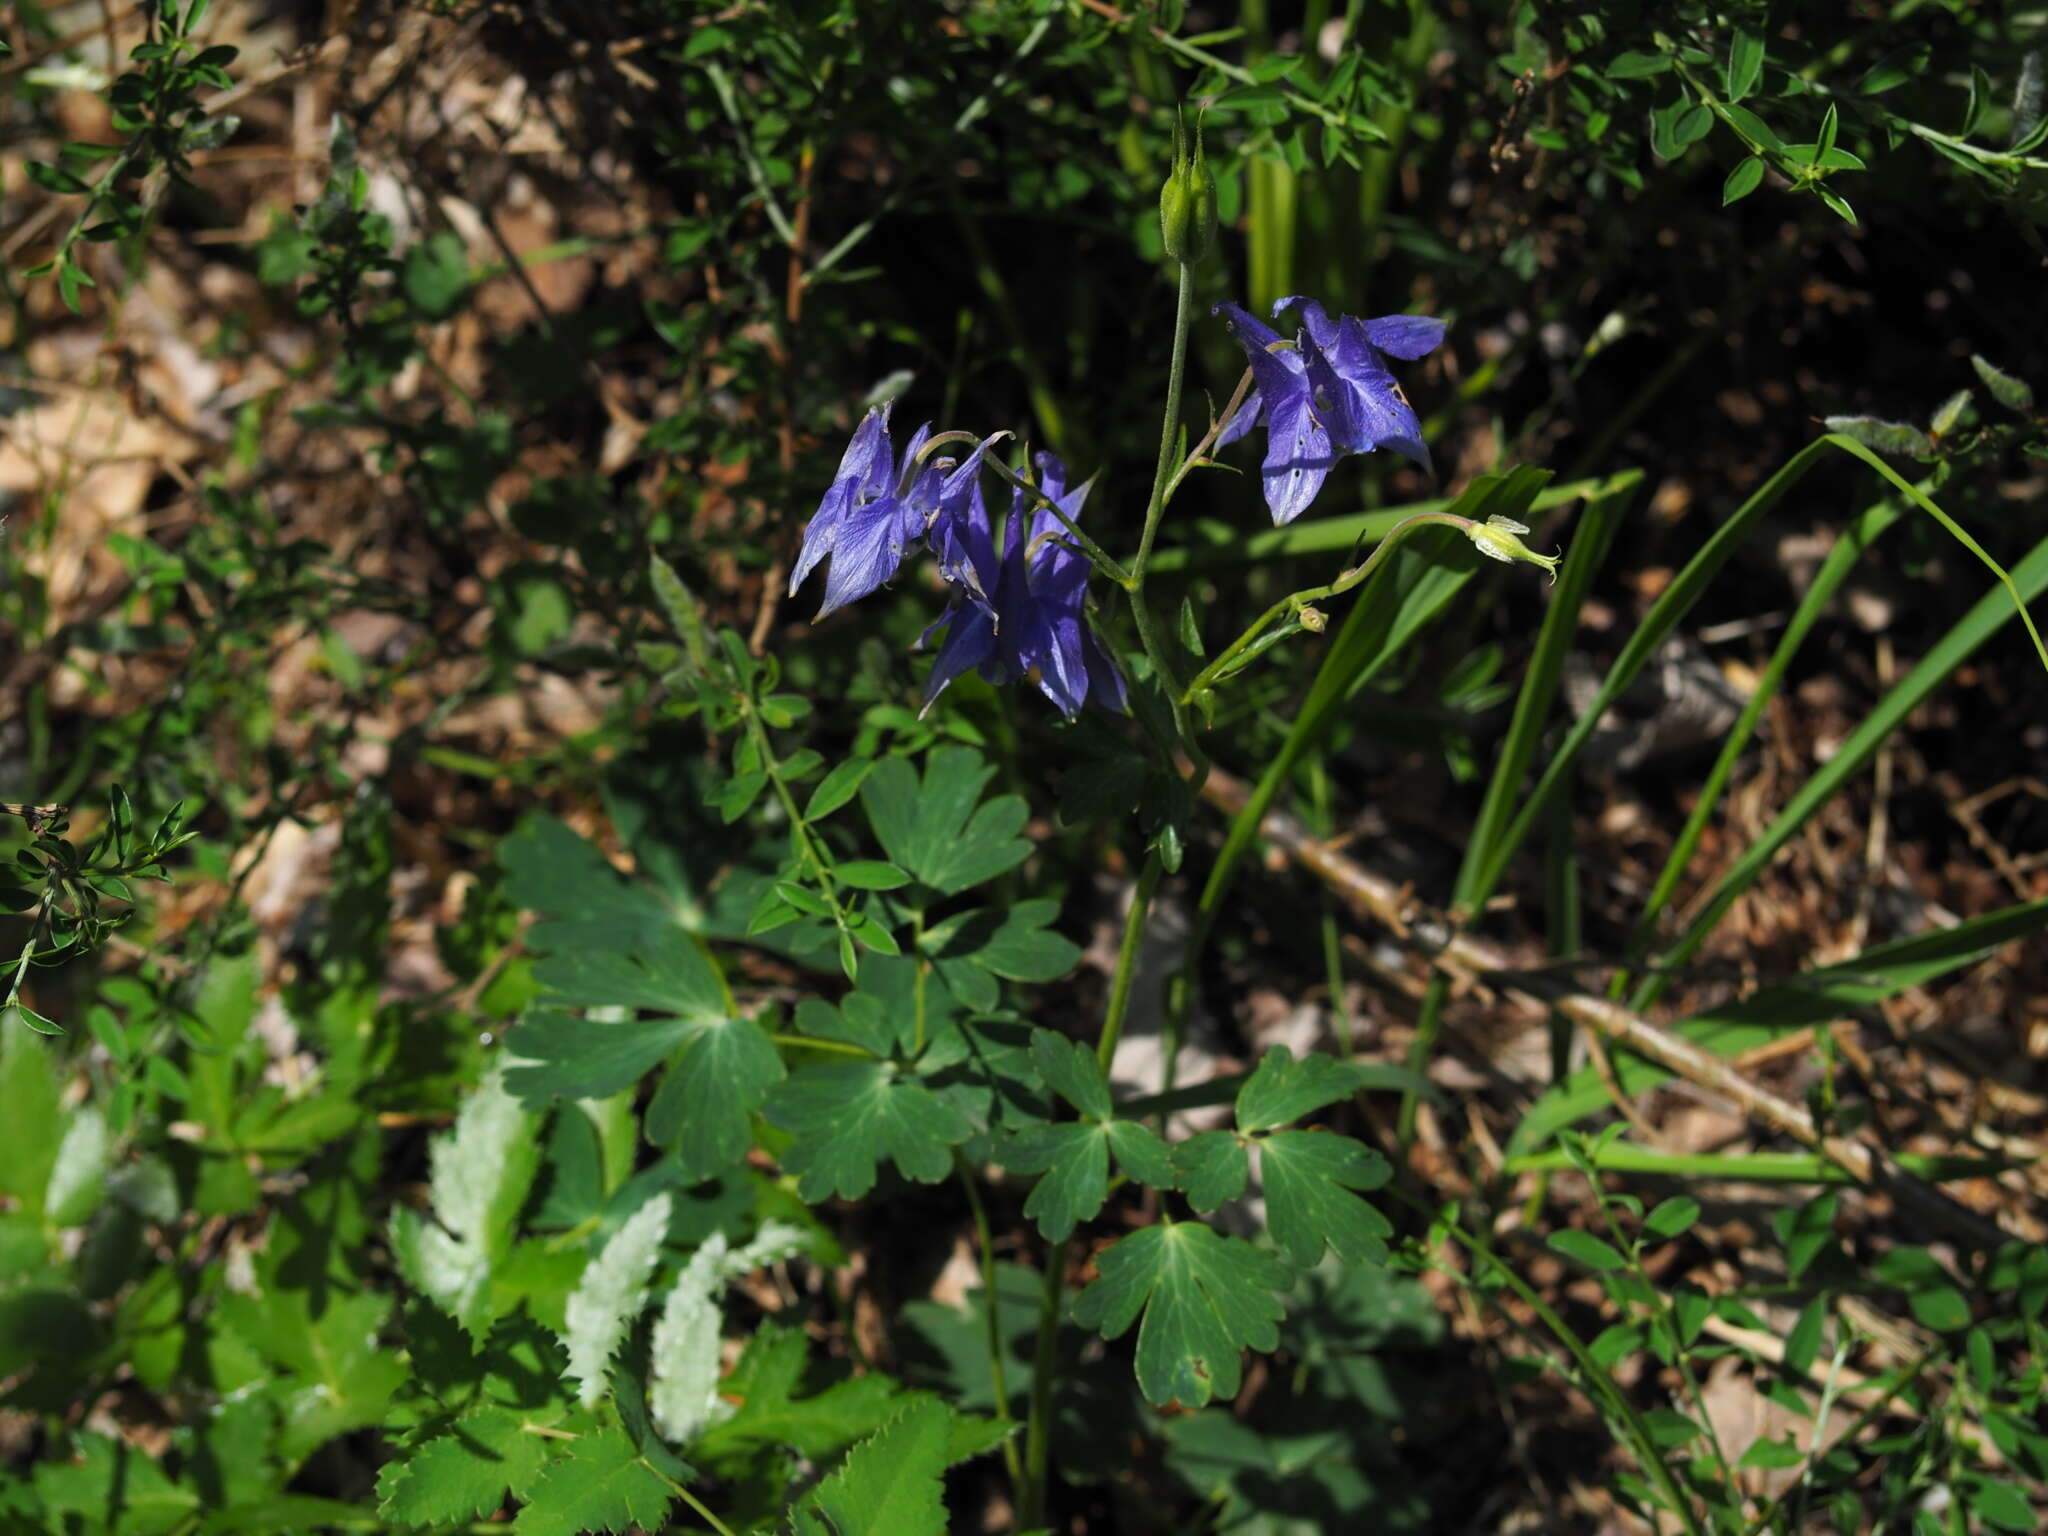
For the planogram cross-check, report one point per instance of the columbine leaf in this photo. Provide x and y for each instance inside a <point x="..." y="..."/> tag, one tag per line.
<point x="1282" y="1090"/>
<point x="549" y="869"/>
<point x="562" y="1056"/>
<point x="705" y="1106"/>
<point x="1017" y="943"/>
<point x="888" y="1486"/>
<point x="600" y="1485"/>
<point x="846" y="1118"/>
<point x="1141" y="1154"/>
<point x="1074" y="1160"/>
<point x="665" y="971"/>
<point x="1213" y="1168"/>
<point x="933" y="830"/>
<point x="1072" y="1071"/>
<point x="464" y="1472"/>
<point x="1309" y="1177"/>
<point x="1204" y="1297"/>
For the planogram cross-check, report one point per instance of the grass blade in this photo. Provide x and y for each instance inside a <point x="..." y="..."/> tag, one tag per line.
<point x="1990" y="614"/>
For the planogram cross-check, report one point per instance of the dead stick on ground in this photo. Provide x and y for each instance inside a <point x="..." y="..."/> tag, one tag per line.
<point x="1464" y="957"/>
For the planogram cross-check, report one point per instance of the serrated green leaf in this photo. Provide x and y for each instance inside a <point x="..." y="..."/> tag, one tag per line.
<point x="108" y="1486"/>
<point x="763" y="1385"/>
<point x="1213" y="1168"/>
<point x="1204" y="1298"/>
<point x="705" y="1105"/>
<point x="1309" y="1177"/>
<point x="600" y="1484"/>
<point x="887" y="1486"/>
<point x="933" y="828"/>
<point x="845" y="1118"/>
<point x="1283" y="1089"/>
<point x="464" y="1472"/>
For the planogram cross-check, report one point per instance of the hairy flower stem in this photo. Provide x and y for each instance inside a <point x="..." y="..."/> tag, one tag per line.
<point x="1127" y="961"/>
<point x="1290" y="606"/>
<point x="1038" y="1429"/>
<point x="1181" y="993"/>
<point x="998" y="1376"/>
<point x="1162" y="476"/>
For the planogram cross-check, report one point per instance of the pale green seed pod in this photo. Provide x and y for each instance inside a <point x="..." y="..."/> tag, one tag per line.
<point x="1499" y="538"/>
<point x="1187" y="201"/>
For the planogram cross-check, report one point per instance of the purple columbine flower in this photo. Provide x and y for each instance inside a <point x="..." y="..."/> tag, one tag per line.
<point x="876" y="509"/>
<point x="1023" y="613"/>
<point x="1327" y="395"/>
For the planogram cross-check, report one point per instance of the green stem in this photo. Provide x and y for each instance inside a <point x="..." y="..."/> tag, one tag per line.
<point x="817" y="1043"/>
<point x="1596" y="1382"/>
<point x="1162" y="476"/>
<point x="1038" y="1428"/>
<point x="798" y="830"/>
<point x="1291" y="605"/>
<point x="998" y="1377"/>
<point x="697" y="1505"/>
<point x="1099" y="557"/>
<point x="1169" y="429"/>
<point x="1127" y="961"/>
<point x="924" y="967"/>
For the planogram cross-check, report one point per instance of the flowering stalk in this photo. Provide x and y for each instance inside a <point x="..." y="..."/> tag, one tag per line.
<point x="1162" y="475"/>
<point x="1037" y="500"/>
<point x="1496" y="538"/>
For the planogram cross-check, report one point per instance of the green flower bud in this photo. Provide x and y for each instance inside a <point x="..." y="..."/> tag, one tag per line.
<point x="1499" y="538"/>
<point x="1314" y="620"/>
<point x="1187" y="200"/>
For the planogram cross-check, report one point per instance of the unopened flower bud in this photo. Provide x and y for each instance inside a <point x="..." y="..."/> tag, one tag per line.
<point x="1187" y="201"/>
<point x="1499" y="538"/>
<point x="1313" y="620"/>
